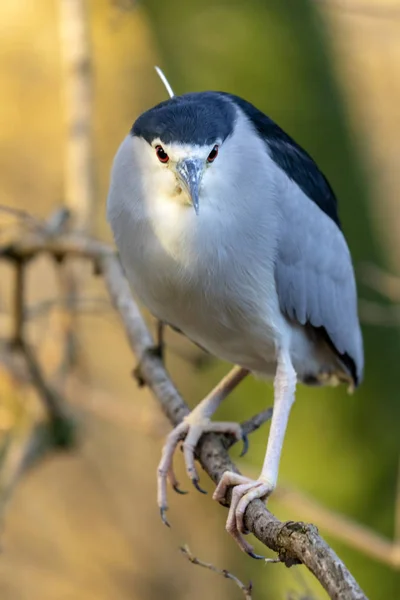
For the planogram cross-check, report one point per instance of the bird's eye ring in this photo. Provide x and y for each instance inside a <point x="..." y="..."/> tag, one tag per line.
<point x="161" y="154"/>
<point x="213" y="154"/>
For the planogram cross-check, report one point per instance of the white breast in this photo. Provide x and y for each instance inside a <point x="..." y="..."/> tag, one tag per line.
<point x="225" y="304"/>
<point x="201" y="274"/>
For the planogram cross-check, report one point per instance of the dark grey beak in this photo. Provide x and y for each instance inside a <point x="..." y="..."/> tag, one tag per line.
<point x="190" y="172"/>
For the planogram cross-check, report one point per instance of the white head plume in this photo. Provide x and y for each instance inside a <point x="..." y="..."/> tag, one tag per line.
<point x="165" y="82"/>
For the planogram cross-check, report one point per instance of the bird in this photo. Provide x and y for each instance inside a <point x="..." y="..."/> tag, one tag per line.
<point x="228" y="231"/>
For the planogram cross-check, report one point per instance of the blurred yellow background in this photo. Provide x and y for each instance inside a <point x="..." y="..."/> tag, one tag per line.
<point x="84" y="524"/>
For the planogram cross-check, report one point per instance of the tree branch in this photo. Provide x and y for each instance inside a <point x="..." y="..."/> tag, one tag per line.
<point x="293" y="542"/>
<point x="341" y="527"/>
<point x="21" y="455"/>
<point x="79" y="180"/>
<point x="246" y="589"/>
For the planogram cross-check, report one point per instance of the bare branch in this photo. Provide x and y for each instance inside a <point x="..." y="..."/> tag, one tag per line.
<point x="255" y="422"/>
<point x="293" y="542"/>
<point x="246" y="589"/>
<point x="21" y="454"/>
<point x="58" y="221"/>
<point x="21" y="214"/>
<point x="54" y="403"/>
<point x="19" y="290"/>
<point x="71" y="245"/>
<point x="340" y="527"/>
<point x="59" y="421"/>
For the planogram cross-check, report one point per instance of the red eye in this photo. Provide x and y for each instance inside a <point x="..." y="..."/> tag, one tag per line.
<point x="161" y="154"/>
<point x="213" y="154"/>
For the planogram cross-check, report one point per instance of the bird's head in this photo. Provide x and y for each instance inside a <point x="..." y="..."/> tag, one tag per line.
<point x="183" y="166"/>
<point x="189" y="169"/>
<point x="179" y="147"/>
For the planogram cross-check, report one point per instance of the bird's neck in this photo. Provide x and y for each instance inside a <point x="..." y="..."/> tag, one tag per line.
<point x="180" y="232"/>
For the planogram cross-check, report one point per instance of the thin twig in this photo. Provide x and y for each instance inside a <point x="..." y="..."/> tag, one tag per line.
<point x="160" y="337"/>
<point x="21" y="214"/>
<point x="246" y="589"/>
<point x="61" y="421"/>
<point x="51" y="399"/>
<point x="58" y="221"/>
<point x="248" y="427"/>
<point x="19" y="297"/>
<point x="255" y="422"/>
<point x="69" y="245"/>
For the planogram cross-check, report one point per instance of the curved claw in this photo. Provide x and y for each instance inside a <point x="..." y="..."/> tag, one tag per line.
<point x="178" y="490"/>
<point x="196" y="485"/>
<point x="245" y="448"/>
<point x="163" y="517"/>
<point x="256" y="556"/>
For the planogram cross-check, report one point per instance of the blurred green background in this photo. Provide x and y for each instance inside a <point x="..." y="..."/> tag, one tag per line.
<point x="85" y="524"/>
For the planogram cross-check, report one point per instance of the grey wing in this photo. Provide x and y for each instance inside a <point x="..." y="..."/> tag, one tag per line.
<point x="315" y="278"/>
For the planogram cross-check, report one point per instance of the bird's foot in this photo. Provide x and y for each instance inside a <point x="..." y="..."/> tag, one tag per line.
<point x="137" y="371"/>
<point x="190" y="430"/>
<point x="244" y="491"/>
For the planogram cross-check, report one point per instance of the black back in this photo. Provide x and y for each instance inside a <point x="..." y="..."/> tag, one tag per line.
<point x="289" y="156"/>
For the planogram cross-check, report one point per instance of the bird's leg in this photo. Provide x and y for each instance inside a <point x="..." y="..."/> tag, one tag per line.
<point x="157" y="350"/>
<point x="190" y="430"/>
<point x="160" y="346"/>
<point x="245" y="489"/>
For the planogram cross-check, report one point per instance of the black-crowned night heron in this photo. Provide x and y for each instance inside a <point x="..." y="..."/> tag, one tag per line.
<point x="228" y="231"/>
